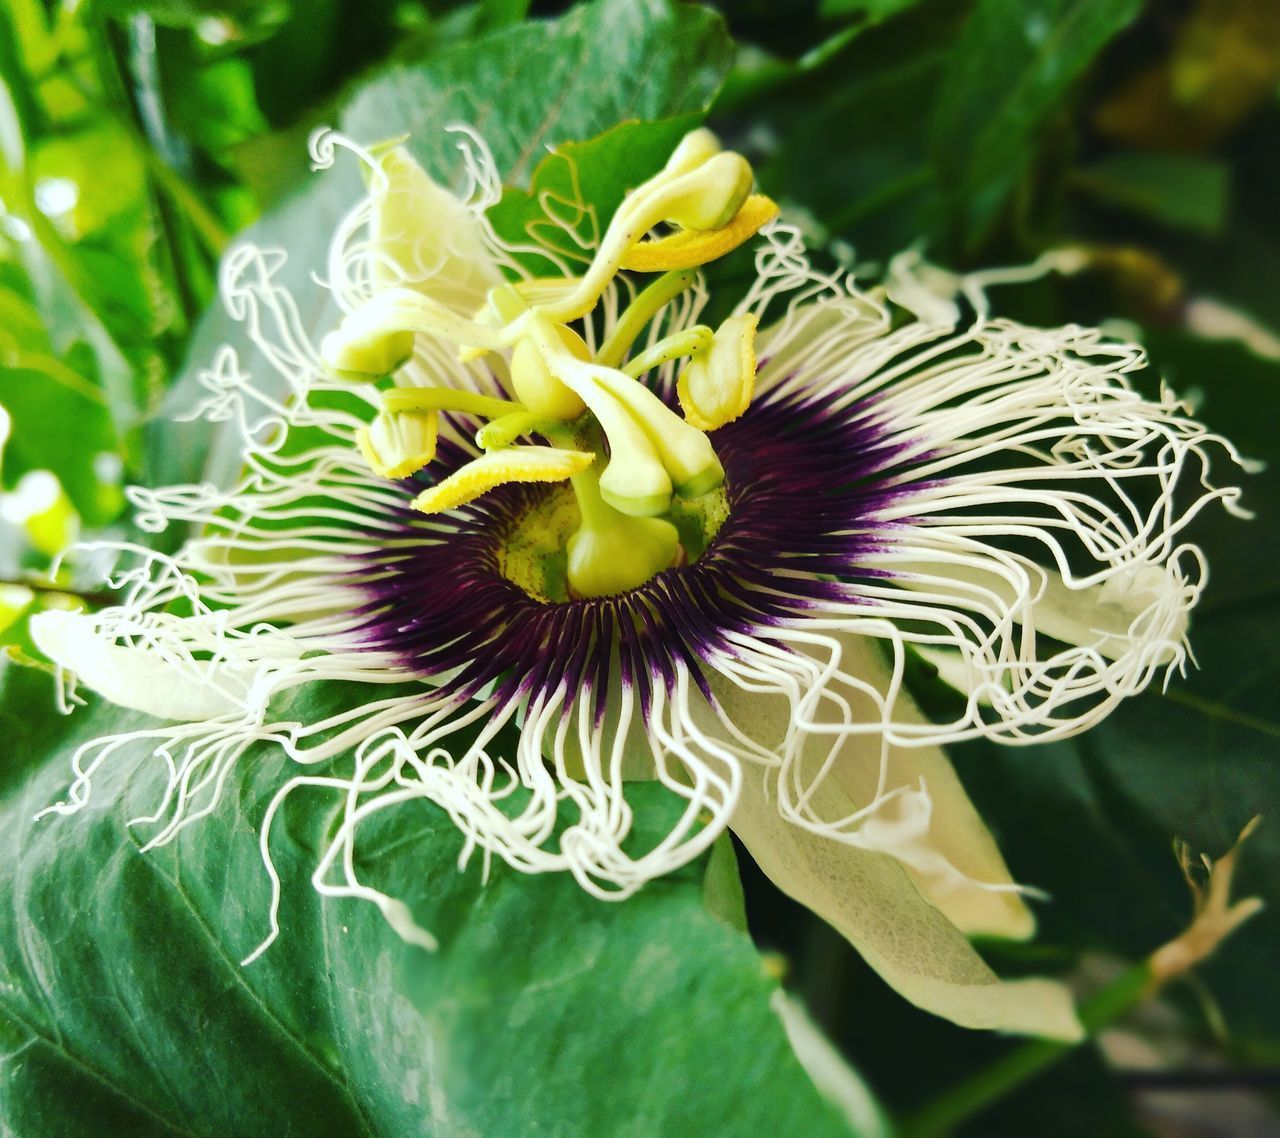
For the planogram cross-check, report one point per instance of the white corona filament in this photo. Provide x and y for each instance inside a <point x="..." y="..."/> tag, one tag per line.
<point x="1035" y="554"/>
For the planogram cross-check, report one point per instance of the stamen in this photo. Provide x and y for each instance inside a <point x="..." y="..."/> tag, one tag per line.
<point x="397" y="444"/>
<point x="377" y="337"/>
<point x="684" y="450"/>
<point x="707" y="197"/>
<point x="693" y="247"/>
<point x="635" y="480"/>
<point x="690" y="342"/>
<point x="716" y="387"/>
<point x="638" y="314"/>
<point x="496" y="467"/>
<point x="504" y="431"/>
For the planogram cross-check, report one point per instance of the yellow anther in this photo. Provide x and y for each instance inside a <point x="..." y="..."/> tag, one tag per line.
<point x="535" y="384"/>
<point x="399" y="443"/>
<point x="496" y="467"/>
<point x="716" y="386"/>
<point x="692" y="247"/>
<point x="684" y="451"/>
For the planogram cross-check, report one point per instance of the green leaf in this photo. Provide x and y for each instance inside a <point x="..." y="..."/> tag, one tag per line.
<point x="44" y="396"/>
<point x="1181" y="190"/>
<point x="873" y="11"/>
<point x="242" y="16"/>
<point x="123" y="1009"/>
<point x="586" y="181"/>
<point x="664" y="60"/>
<point x="1198" y="762"/>
<point x="851" y="152"/>
<point x="1011" y="69"/>
<point x="540" y="84"/>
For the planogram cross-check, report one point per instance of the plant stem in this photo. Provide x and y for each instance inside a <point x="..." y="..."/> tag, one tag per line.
<point x="97" y="598"/>
<point x="1022" y="1064"/>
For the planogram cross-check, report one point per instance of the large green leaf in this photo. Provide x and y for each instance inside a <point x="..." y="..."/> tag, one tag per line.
<point x="848" y="145"/>
<point x="1011" y="70"/>
<point x="539" y="84"/>
<point x="123" y="1009"/>
<point x="525" y="88"/>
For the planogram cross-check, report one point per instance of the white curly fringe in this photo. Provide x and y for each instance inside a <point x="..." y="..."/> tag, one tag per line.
<point x="1035" y="555"/>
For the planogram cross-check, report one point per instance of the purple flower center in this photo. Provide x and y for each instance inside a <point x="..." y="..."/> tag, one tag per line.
<point x="805" y="481"/>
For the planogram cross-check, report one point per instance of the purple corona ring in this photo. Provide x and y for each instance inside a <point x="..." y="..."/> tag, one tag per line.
<point x="566" y="537"/>
<point x="806" y="485"/>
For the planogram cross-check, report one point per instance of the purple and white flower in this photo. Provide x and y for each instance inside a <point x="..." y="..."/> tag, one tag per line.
<point x="657" y="551"/>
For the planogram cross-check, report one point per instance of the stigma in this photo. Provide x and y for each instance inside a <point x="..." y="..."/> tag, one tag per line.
<point x="584" y="402"/>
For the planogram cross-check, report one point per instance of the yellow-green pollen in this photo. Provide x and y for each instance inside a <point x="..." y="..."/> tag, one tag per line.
<point x="637" y="486"/>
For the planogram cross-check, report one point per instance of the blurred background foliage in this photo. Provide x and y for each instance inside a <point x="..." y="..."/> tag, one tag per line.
<point x="137" y="139"/>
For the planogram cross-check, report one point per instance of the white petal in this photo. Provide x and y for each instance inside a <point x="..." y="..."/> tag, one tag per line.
<point x="871" y="899"/>
<point x="426" y="239"/>
<point x="136" y="678"/>
<point x="1135" y="608"/>
<point x="836" y="1081"/>
<point x="956" y="856"/>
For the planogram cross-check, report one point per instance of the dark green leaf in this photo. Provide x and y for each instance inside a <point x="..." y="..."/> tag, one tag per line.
<point x="1194" y="762"/>
<point x="540" y="84"/>
<point x="1011" y="69"/>
<point x="123" y="1009"/>
<point x="241" y="16"/>
<point x="871" y="10"/>
<point x="1175" y="189"/>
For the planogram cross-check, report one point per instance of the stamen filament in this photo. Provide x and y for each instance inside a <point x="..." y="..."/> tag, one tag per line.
<point x="639" y="312"/>
<point x="687" y="343"/>
<point x="504" y="431"/>
<point x="448" y="399"/>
